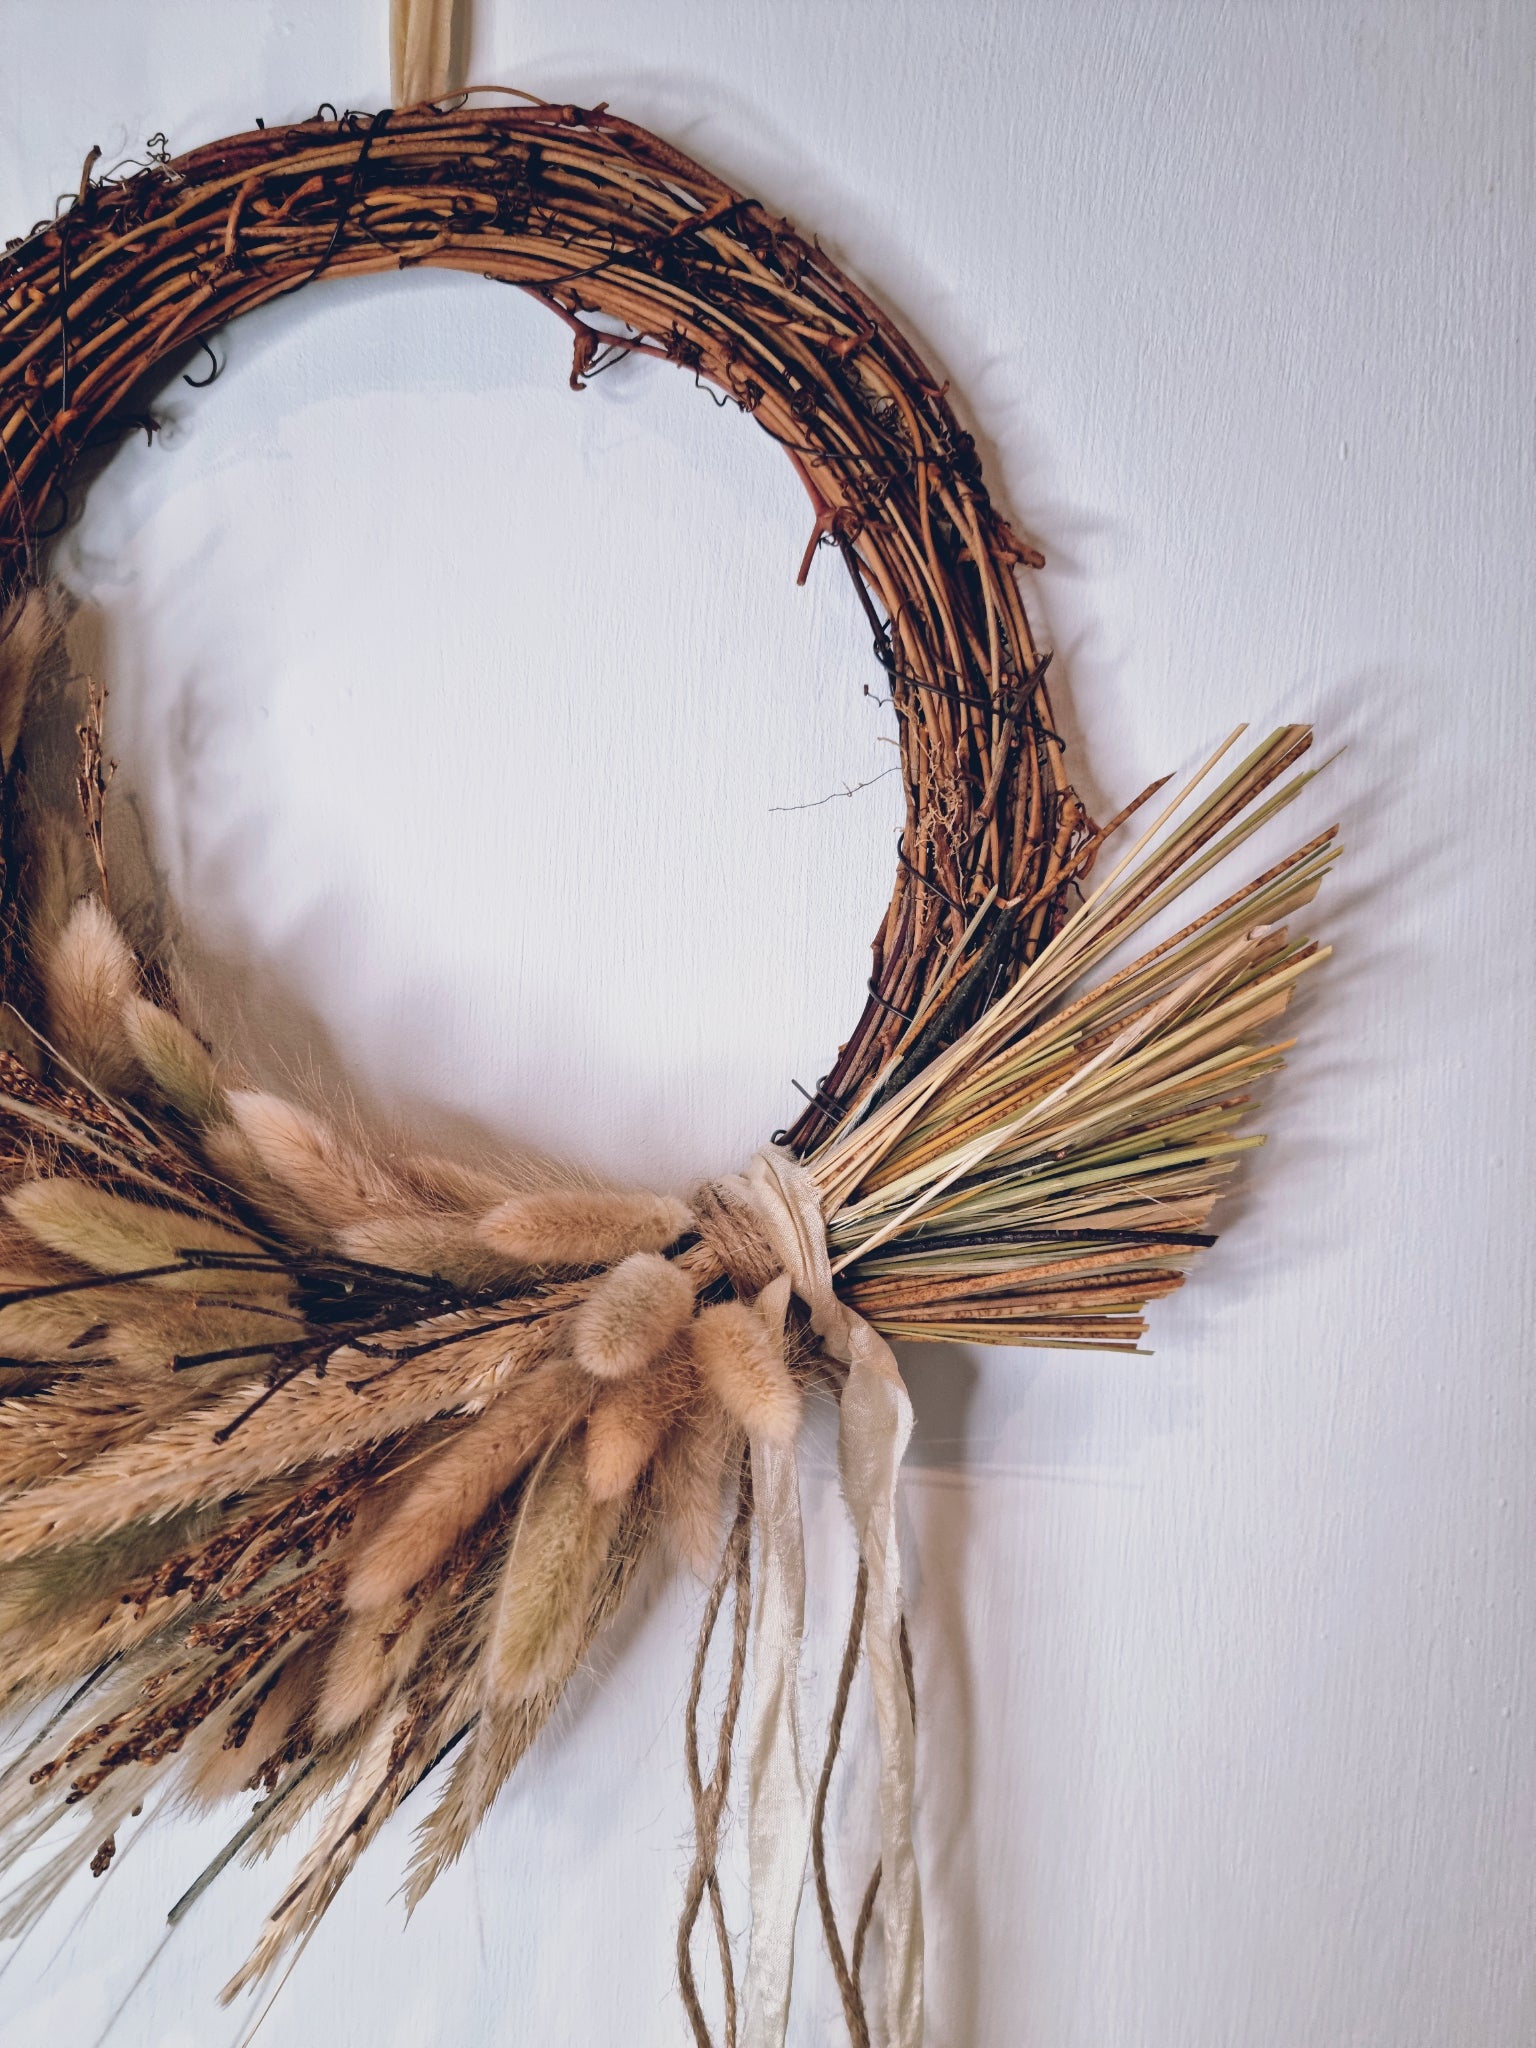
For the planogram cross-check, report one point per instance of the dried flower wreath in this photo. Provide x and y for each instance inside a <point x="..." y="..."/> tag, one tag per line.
<point x="321" y="1465"/>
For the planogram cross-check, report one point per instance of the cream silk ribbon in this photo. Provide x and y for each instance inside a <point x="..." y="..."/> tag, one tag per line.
<point x="420" y="49"/>
<point x="874" y="1426"/>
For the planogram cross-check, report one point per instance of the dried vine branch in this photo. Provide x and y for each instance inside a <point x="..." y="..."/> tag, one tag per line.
<point x="639" y="251"/>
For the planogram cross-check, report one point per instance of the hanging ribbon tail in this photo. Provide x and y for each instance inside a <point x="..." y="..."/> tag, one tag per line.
<point x="421" y="49"/>
<point x="778" y="1790"/>
<point x="875" y="1426"/>
<point x="873" y="1431"/>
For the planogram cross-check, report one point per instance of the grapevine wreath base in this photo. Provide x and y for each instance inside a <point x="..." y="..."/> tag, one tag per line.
<point x="322" y="1464"/>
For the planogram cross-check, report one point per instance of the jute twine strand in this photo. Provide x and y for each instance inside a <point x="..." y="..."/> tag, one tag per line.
<point x="847" y="1979"/>
<point x="848" y="1969"/>
<point x="709" y="1799"/>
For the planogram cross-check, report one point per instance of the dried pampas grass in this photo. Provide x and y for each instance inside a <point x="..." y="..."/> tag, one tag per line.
<point x="339" y="1186"/>
<point x="88" y="978"/>
<point x="112" y="1234"/>
<point x="628" y="1421"/>
<point x="177" y="1062"/>
<point x="29" y="631"/>
<point x="460" y="1482"/>
<point x="559" y="1544"/>
<point x="698" y="1461"/>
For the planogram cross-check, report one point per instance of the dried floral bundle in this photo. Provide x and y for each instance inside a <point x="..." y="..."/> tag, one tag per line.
<point x="322" y="1463"/>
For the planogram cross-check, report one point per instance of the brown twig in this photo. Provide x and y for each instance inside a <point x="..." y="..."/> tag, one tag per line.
<point x="93" y="777"/>
<point x="641" y="252"/>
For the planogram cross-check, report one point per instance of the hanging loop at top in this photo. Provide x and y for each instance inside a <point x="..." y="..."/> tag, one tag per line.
<point x="421" y="49"/>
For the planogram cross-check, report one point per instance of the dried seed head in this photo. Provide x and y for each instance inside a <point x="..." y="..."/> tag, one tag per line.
<point x="459" y="1484"/>
<point x="583" y="1227"/>
<point x="59" y="873"/>
<point x="630" y="1316"/>
<point x="558" y="1547"/>
<point x="336" y="1183"/>
<point x="630" y="1419"/>
<point x="88" y="977"/>
<point x="178" y="1063"/>
<point x="620" y="1443"/>
<point x="28" y="633"/>
<point x="742" y="1363"/>
<point x="220" y="1770"/>
<point x="426" y="1241"/>
<point x="367" y="1664"/>
<point x="697" y="1461"/>
<point x="114" y="1235"/>
<point x="449" y="1186"/>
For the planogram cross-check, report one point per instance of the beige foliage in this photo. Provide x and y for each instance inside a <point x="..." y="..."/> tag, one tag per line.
<point x="742" y="1363"/>
<point x="583" y="1226"/>
<point x="630" y="1315"/>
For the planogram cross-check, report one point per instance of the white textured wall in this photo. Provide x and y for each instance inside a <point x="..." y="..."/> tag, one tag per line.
<point x="458" y="708"/>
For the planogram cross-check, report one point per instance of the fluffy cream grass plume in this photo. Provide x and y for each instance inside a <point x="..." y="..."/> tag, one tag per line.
<point x="234" y="1160"/>
<point x="428" y="1242"/>
<point x="741" y="1360"/>
<point x="178" y="1063"/>
<point x="111" y="1234"/>
<point x="559" y="1546"/>
<point x="460" y="1482"/>
<point x="183" y="1463"/>
<point x="59" y="874"/>
<point x="583" y="1226"/>
<point x="412" y="1215"/>
<point x="29" y="631"/>
<point x="630" y="1315"/>
<point x="371" y="1659"/>
<point x="332" y="1180"/>
<point x="88" y="977"/>
<point x="448" y="1187"/>
<point x="49" y="1326"/>
<point x="630" y="1420"/>
<point x="701" y="1456"/>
